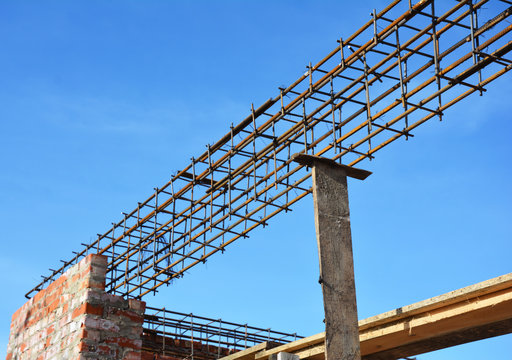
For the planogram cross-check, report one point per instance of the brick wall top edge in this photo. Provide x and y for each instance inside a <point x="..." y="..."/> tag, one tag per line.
<point x="73" y="317"/>
<point x="94" y="259"/>
<point x="90" y="260"/>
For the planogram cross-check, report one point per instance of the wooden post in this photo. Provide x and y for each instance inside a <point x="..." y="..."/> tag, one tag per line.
<point x="332" y="222"/>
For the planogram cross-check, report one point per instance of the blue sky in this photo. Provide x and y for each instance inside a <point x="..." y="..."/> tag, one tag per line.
<point x="102" y="101"/>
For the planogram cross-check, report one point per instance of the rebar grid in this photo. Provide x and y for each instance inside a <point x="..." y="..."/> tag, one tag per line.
<point x="395" y="73"/>
<point x="210" y="337"/>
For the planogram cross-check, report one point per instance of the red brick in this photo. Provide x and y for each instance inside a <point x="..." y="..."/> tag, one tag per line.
<point x="83" y="347"/>
<point x="50" y="299"/>
<point x="37" y="297"/>
<point x="75" y="278"/>
<point x="87" y="308"/>
<point x="125" y="342"/>
<point x="56" y="285"/>
<point x="16" y="314"/>
<point x="50" y="330"/>
<point x="85" y="261"/>
<point x="104" y="350"/>
<point x="131" y="315"/>
<point x="92" y="284"/>
<point x="99" y="260"/>
<point x="53" y="306"/>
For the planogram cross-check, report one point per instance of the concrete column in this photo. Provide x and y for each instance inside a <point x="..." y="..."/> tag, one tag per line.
<point x="332" y="222"/>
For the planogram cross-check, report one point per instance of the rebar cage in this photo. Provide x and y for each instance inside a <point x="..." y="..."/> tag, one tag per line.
<point x="405" y="66"/>
<point x="192" y="336"/>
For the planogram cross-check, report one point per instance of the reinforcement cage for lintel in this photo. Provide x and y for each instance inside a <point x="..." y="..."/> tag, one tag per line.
<point x="408" y="64"/>
<point x="213" y="335"/>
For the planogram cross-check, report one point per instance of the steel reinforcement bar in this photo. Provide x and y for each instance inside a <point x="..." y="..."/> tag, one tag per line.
<point x="406" y="65"/>
<point x="214" y="335"/>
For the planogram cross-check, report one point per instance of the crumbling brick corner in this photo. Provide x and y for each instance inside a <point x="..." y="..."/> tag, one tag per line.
<point x="74" y="318"/>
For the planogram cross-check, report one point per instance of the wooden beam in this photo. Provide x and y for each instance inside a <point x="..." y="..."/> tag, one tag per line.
<point x="292" y="347"/>
<point x="465" y="321"/>
<point x="472" y="313"/>
<point x="249" y="353"/>
<point x="311" y="160"/>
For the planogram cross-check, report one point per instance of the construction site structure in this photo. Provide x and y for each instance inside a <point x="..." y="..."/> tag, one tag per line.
<point x="375" y="87"/>
<point x="75" y="318"/>
<point x="424" y="61"/>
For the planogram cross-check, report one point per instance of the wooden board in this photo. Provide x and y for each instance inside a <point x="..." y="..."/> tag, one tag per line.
<point x="334" y="239"/>
<point x="472" y="313"/>
<point x="248" y="353"/>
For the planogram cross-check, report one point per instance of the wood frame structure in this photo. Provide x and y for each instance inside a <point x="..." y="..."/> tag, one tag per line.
<point x="472" y="313"/>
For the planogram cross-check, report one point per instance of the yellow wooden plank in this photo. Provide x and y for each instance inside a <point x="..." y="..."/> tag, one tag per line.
<point x="247" y="353"/>
<point x="458" y="312"/>
<point x="293" y="346"/>
<point x="484" y="287"/>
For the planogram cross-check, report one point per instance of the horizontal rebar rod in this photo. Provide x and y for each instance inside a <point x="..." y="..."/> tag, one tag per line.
<point x="217" y="332"/>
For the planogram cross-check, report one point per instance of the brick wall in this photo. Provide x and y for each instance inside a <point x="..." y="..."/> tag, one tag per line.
<point x="75" y="319"/>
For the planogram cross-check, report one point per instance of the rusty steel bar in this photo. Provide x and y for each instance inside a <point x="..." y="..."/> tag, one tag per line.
<point x="174" y="325"/>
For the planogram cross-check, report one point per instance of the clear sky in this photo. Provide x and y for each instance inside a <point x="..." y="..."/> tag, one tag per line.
<point x="102" y="101"/>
